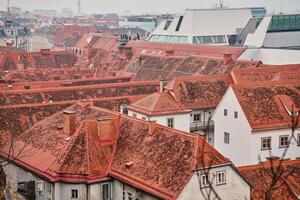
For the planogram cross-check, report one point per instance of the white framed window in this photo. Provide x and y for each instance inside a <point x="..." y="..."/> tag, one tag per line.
<point x="265" y="143"/>
<point x="170" y="122"/>
<point x="221" y="177"/>
<point x="74" y="194"/>
<point x="226" y="138"/>
<point x="225" y="112"/>
<point x="236" y="114"/>
<point x="197" y="117"/>
<point x="40" y="186"/>
<point x="204" y="180"/>
<point x="105" y="191"/>
<point x="283" y="141"/>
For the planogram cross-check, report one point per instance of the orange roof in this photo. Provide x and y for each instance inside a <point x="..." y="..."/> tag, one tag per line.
<point x="265" y="105"/>
<point x="157" y="104"/>
<point x="260" y="176"/>
<point x="200" y="91"/>
<point x="151" y="157"/>
<point x="159" y="160"/>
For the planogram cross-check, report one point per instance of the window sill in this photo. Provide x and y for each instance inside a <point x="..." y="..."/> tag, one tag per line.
<point x="266" y="149"/>
<point x="283" y="147"/>
<point x="220" y="184"/>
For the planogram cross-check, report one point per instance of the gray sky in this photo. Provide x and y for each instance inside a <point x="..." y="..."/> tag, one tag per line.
<point x="150" y="6"/>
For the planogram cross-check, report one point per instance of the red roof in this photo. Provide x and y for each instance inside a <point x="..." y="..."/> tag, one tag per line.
<point x="154" y="158"/>
<point x="157" y="104"/>
<point x="260" y="176"/>
<point x="265" y="105"/>
<point x="159" y="160"/>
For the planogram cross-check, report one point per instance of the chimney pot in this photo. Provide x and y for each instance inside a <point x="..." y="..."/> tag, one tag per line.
<point x="162" y="84"/>
<point x="69" y="122"/>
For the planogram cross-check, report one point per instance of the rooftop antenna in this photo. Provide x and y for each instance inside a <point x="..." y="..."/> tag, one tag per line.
<point x="8" y="7"/>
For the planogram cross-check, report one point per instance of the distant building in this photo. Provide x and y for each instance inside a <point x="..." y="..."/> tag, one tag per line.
<point x="45" y="13"/>
<point x="258" y="11"/>
<point x="277" y="31"/>
<point x="146" y="23"/>
<point x="207" y="26"/>
<point x="67" y="13"/>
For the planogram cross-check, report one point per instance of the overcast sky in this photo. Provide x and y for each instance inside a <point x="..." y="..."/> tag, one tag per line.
<point x="149" y="6"/>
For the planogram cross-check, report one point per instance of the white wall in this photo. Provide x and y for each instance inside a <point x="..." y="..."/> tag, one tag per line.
<point x="234" y="189"/>
<point x="239" y="147"/>
<point x="282" y="39"/>
<point x="292" y="152"/>
<point x="181" y="121"/>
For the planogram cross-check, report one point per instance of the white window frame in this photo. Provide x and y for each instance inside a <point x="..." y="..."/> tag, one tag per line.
<point x="102" y="191"/>
<point x="173" y="122"/>
<point x="204" y="180"/>
<point x="226" y="139"/>
<point x="197" y="120"/>
<point x="284" y="145"/>
<point x="40" y="187"/>
<point x="225" y="112"/>
<point x="223" y="178"/>
<point x="262" y="143"/>
<point x="73" y="190"/>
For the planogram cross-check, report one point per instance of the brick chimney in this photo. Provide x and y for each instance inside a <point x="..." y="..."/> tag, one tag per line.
<point x="106" y="128"/>
<point x="162" y="84"/>
<point x="125" y="52"/>
<point x="69" y="122"/>
<point x="152" y="126"/>
<point x="227" y="58"/>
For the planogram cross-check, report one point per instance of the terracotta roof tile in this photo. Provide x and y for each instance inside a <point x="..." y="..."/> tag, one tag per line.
<point x="260" y="176"/>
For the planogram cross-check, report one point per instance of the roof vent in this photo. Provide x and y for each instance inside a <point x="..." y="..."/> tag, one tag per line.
<point x="129" y="164"/>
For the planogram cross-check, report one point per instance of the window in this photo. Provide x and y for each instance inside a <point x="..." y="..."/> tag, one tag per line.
<point x="134" y="114"/>
<point x="284" y="141"/>
<point x="170" y="122"/>
<point x="130" y="196"/>
<point x="197" y="117"/>
<point x="144" y="118"/>
<point x="221" y="177"/>
<point x="213" y="39"/>
<point x="204" y="180"/>
<point x="40" y="186"/>
<point x="236" y="114"/>
<point x="298" y="139"/>
<point x="225" y="112"/>
<point x="167" y="24"/>
<point x="179" y="23"/>
<point x="226" y="138"/>
<point x="266" y="143"/>
<point x="74" y="194"/>
<point x="105" y="191"/>
<point x="48" y="188"/>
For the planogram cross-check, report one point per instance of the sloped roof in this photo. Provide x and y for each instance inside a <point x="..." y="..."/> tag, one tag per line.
<point x="159" y="160"/>
<point x="264" y="103"/>
<point x="82" y="157"/>
<point x="157" y="104"/>
<point x="200" y="91"/>
<point x="50" y="59"/>
<point x="267" y="73"/>
<point x="260" y="176"/>
<point x="158" y="67"/>
<point x="151" y="157"/>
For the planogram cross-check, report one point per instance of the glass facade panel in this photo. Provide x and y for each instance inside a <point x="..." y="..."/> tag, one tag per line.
<point x="169" y="39"/>
<point x="215" y="39"/>
<point x="280" y="23"/>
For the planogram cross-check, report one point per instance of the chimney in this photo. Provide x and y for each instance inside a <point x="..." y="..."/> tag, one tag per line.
<point x="45" y="51"/>
<point x="227" y="58"/>
<point x="106" y="128"/>
<point x="162" y="84"/>
<point x="69" y="122"/>
<point x="152" y="126"/>
<point x="169" y="53"/>
<point x="20" y="65"/>
<point x="125" y="52"/>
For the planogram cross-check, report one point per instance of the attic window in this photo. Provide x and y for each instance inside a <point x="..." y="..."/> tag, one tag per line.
<point x="179" y="23"/>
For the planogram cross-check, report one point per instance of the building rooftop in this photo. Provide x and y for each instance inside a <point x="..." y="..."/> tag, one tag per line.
<point x="260" y="176"/>
<point x="268" y="105"/>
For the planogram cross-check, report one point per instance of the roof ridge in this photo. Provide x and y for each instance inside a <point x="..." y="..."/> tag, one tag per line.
<point x="87" y="146"/>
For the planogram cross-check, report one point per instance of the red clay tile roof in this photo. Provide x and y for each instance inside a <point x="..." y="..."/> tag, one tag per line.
<point x="200" y="91"/>
<point x="260" y="176"/>
<point x="267" y="73"/>
<point x="44" y="59"/>
<point x="83" y="157"/>
<point x="158" y="67"/>
<point x="263" y="103"/>
<point x="157" y="104"/>
<point x="161" y="160"/>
